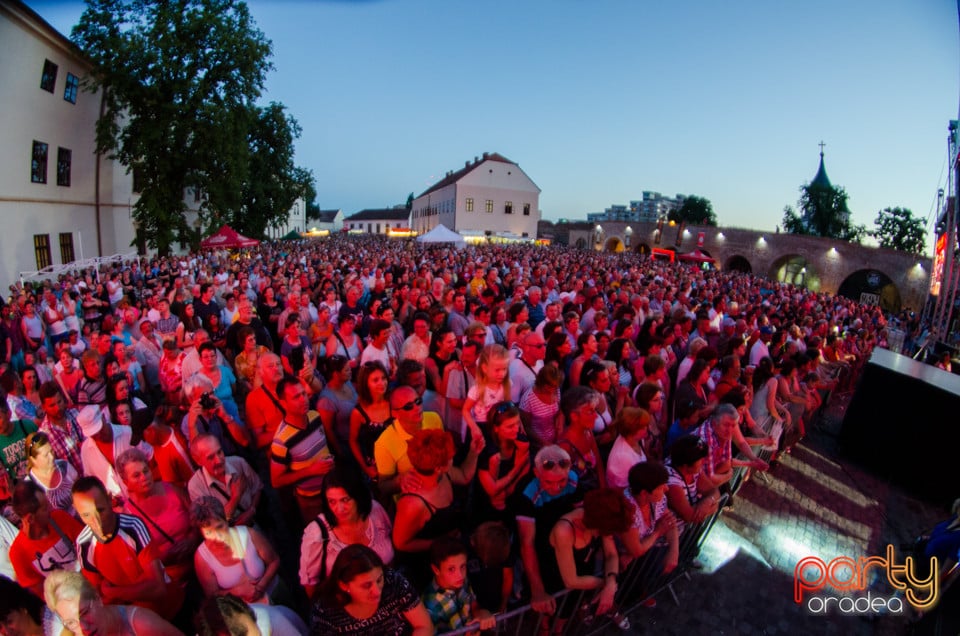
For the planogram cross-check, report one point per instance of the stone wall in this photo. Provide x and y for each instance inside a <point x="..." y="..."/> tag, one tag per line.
<point x="829" y="263"/>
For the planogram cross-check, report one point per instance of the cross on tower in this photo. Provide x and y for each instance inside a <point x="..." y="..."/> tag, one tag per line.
<point x="821" y="147"/>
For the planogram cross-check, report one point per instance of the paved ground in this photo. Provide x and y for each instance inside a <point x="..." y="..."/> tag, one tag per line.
<point x="814" y="503"/>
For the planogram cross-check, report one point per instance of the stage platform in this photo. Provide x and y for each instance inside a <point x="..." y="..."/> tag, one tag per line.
<point x="903" y="424"/>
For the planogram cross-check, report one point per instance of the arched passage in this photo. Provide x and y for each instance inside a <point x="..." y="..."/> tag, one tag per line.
<point x="795" y="270"/>
<point x="871" y="287"/>
<point x="581" y="244"/>
<point x="613" y="244"/>
<point x="738" y="263"/>
<point x="642" y="249"/>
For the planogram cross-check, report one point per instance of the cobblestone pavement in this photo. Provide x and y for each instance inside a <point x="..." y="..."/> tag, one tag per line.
<point x="814" y="504"/>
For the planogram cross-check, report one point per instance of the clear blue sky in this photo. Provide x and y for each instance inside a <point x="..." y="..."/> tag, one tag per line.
<point x="598" y="101"/>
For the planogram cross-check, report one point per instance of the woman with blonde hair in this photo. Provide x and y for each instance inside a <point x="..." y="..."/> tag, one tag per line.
<point x="54" y="476"/>
<point x="82" y="611"/>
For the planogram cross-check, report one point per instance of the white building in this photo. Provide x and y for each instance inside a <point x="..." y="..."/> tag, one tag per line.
<point x="296" y="221"/>
<point x="51" y="209"/>
<point x="651" y="208"/>
<point x="489" y="197"/>
<point x="378" y="221"/>
<point x="330" y="220"/>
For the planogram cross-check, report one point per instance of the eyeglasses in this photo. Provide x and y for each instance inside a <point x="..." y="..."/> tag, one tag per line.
<point x="409" y="406"/>
<point x="550" y="464"/>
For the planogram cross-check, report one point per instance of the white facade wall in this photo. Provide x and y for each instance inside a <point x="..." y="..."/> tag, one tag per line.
<point x="444" y="201"/>
<point x="31" y="114"/>
<point x="491" y="181"/>
<point x="296" y="220"/>
<point x="497" y="182"/>
<point x="376" y="226"/>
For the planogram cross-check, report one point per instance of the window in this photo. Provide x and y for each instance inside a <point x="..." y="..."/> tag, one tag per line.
<point x="41" y="247"/>
<point x="38" y="165"/>
<point x="470" y="204"/>
<point x="508" y="207"/>
<point x="63" y="168"/>
<point x="196" y="195"/>
<point x="71" y="88"/>
<point x="489" y="206"/>
<point x="378" y="228"/>
<point x="526" y="209"/>
<point x="48" y="80"/>
<point x="66" y="247"/>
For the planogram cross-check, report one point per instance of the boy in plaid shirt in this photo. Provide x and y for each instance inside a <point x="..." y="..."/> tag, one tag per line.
<point x="448" y="598"/>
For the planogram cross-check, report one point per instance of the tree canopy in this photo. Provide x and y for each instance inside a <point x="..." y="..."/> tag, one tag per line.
<point x="823" y="212"/>
<point x="694" y="211"/>
<point x="898" y="229"/>
<point x="180" y="81"/>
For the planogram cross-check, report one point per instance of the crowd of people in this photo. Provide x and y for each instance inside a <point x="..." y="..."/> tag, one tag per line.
<point x="358" y="435"/>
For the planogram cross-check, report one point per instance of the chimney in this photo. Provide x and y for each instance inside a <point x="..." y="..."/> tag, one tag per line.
<point x="486" y="154"/>
<point x="476" y="159"/>
<point x="466" y="164"/>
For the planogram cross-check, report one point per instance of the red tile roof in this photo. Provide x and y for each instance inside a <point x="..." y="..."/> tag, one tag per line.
<point x="453" y="177"/>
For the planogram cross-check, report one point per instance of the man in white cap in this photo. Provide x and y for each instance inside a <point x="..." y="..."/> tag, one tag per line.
<point x="103" y="444"/>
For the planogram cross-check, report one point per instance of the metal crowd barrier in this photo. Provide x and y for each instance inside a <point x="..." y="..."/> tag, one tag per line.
<point x="643" y="579"/>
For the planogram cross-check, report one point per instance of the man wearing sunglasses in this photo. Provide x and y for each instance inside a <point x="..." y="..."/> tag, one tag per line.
<point x="552" y="493"/>
<point x="390" y="449"/>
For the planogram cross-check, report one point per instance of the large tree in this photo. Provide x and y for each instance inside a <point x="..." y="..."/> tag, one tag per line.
<point x="694" y="211"/>
<point x="273" y="182"/>
<point x="179" y="80"/>
<point x="823" y="212"/>
<point x="898" y="229"/>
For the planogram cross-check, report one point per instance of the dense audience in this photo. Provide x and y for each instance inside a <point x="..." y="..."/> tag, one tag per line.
<point x="363" y="436"/>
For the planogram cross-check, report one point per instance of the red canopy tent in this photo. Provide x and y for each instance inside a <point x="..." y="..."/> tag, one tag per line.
<point x="696" y="256"/>
<point x="227" y="238"/>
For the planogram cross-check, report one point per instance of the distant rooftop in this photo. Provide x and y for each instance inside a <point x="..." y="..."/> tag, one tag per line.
<point x="400" y="213"/>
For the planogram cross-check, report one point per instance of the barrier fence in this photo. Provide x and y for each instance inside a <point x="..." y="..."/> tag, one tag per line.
<point x="643" y="579"/>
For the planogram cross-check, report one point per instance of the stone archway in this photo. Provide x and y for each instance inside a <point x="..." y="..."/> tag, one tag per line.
<point x="871" y="287"/>
<point x="642" y="249"/>
<point x="613" y="244"/>
<point x="737" y="263"/>
<point x="795" y="270"/>
<point x="581" y="244"/>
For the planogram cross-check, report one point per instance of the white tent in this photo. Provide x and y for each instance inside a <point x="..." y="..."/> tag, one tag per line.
<point x="442" y="234"/>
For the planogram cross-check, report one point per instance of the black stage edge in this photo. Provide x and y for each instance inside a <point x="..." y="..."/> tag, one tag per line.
<point x="902" y="424"/>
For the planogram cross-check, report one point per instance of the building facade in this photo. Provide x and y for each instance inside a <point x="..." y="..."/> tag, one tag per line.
<point x="59" y="201"/>
<point x="490" y="196"/>
<point x="378" y="221"/>
<point x="648" y="209"/>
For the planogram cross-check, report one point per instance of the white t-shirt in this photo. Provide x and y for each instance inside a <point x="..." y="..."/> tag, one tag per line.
<point x="622" y="458"/>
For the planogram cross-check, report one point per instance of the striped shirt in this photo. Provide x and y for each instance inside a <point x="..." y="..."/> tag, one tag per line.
<point x="297" y="448"/>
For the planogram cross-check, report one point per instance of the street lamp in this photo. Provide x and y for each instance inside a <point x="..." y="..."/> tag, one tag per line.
<point x="597" y="235"/>
<point x="629" y="233"/>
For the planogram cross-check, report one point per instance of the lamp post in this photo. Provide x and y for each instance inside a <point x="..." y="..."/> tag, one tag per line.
<point x="629" y="234"/>
<point x="597" y="236"/>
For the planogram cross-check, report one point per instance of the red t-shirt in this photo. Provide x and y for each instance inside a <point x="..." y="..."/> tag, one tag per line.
<point x="33" y="558"/>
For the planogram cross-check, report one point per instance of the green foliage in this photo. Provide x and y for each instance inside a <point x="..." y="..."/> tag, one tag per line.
<point x="823" y="212"/>
<point x="898" y="229"/>
<point x="694" y="211"/>
<point x="180" y="81"/>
